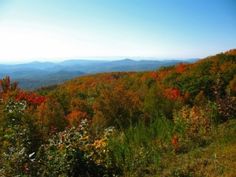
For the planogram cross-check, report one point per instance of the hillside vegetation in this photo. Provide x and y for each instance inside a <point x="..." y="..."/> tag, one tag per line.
<point x="176" y="121"/>
<point x="40" y="74"/>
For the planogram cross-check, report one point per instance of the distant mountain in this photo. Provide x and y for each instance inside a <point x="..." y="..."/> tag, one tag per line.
<point x="37" y="74"/>
<point x="32" y="82"/>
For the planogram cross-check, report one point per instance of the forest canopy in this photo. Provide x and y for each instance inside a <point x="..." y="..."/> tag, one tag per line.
<point x="118" y="123"/>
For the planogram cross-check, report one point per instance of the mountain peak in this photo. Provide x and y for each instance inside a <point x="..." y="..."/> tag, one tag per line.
<point x="127" y="59"/>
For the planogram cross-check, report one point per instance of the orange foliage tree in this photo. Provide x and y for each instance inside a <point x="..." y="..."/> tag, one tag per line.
<point x="75" y="117"/>
<point x="50" y="116"/>
<point x="117" y="106"/>
<point x="180" y="68"/>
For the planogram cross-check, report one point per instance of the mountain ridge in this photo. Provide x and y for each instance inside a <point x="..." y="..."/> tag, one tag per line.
<point x="39" y="74"/>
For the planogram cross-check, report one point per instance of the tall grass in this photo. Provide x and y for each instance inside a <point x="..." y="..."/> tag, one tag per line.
<point x="139" y="147"/>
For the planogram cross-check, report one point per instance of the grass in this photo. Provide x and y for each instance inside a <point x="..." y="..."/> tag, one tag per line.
<point x="146" y="151"/>
<point x="215" y="160"/>
<point x="139" y="146"/>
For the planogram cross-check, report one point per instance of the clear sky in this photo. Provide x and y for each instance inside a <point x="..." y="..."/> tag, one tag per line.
<point x="64" y="29"/>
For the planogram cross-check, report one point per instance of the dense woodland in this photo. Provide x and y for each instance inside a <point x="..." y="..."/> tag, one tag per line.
<point x="176" y="121"/>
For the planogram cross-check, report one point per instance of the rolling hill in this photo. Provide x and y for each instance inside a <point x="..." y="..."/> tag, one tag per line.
<point x="37" y="74"/>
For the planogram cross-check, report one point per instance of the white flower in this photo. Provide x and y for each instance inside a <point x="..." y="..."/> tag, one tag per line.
<point x="30" y="155"/>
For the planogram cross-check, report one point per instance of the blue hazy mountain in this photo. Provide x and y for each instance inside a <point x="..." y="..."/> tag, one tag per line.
<point x="37" y="74"/>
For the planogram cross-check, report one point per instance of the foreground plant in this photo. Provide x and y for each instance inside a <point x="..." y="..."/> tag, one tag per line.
<point x="74" y="152"/>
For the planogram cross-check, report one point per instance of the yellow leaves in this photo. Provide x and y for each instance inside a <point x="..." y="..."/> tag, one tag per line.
<point x="84" y="138"/>
<point x="196" y="120"/>
<point x="61" y="147"/>
<point x="98" y="144"/>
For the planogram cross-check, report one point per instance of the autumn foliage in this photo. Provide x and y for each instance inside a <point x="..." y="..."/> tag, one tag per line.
<point x="30" y="97"/>
<point x="6" y="85"/>
<point x="172" y="93"/>
<point x="75" y="117"/>
<point x="180" y="68"/>
<point x="171" y="110"/>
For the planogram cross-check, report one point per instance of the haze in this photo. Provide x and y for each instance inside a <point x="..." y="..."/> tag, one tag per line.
<point x="60" y="29"/>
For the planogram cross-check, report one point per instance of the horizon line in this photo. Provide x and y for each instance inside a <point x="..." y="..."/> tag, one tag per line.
<point x="105" y="59"/>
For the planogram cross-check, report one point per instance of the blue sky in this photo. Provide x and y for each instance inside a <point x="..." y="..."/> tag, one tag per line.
<point x="50" y="30"/>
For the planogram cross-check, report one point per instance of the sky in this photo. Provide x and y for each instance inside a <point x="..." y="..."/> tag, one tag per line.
<point x="54" y="30"/>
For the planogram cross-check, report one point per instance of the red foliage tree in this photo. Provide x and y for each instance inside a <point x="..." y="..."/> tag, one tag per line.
<point x="154" y="75"/>
<point x="172" y="93"/>
<point x="180" y="68"/>
<point x="30" y="98"/>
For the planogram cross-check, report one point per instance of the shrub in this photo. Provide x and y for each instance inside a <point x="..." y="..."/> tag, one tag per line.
<point x="226" y="107"/>
<point x="17" y="141"/>
<point x="74" y="152"/>
<point x="193" y="123"/>
<point x="158" y="104"/>
<point x="231" y="88"/>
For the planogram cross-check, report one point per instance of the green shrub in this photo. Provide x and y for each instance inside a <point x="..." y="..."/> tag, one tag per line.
<point x="17" y="141"/>
<point x="140" y="146"/>
<point x="74" y="152"/>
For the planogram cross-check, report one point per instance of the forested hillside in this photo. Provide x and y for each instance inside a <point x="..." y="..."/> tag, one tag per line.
<point x="176" y="121"/>
<point x="34" y="75"/>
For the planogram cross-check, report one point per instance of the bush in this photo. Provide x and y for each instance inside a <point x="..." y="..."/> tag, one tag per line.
<point x="226" y="108"/>
<point x="193" y="124"/>
<point x="17" y="141"/>
<point x="75" y="153"/>
<point x="158" y="104"/>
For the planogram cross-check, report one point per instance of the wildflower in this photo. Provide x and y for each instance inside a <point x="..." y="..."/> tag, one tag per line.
<point x="175" y="142"/>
